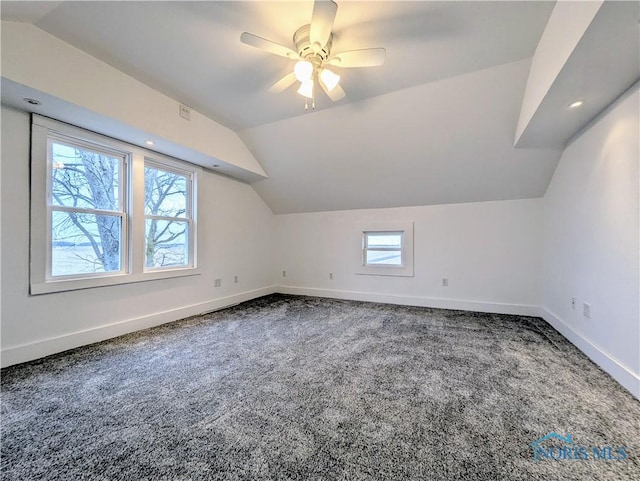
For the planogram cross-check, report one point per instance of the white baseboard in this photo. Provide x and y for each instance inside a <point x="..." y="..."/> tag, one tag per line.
<point x="35" y="350"/>
<point x="621" y="373"/>
<point x="436" y="302"/>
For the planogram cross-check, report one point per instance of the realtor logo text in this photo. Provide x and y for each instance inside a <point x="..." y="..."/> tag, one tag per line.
<point x="568" y="451"/>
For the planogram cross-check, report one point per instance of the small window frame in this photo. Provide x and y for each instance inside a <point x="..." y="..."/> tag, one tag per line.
<point x="361" y="233"/>
<point x="366" y="248"/>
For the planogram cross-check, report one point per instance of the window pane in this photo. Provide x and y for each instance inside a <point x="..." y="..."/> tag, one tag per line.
<point x="384" y="239"/>
<point x="84" y="243"/>
<point x="391" y="258"/>
<point x="165" y="193"/>
<point x="166" y="243"/>
<point x="83" y="178"/>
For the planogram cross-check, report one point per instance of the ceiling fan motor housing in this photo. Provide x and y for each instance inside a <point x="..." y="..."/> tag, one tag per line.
<point x="307" y="50"/>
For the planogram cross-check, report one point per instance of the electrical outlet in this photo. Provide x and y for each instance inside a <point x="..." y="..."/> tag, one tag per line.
<point x="217" y="282"/>
<point x="586" y="310"/>
<point x="331" y="275"/>
<point x="185" y="112"/>
<point x="573" y="303"/>
<point x="235" y="279"/>
<point x="445" y="282"/>
<point x="284" y="273"/>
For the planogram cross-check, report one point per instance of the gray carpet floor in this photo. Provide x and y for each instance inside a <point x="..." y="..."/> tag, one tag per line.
<point x="300" y="388"/>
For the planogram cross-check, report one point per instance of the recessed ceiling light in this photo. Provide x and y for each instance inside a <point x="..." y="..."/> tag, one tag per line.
<point x="149" y="142"/>
<point x="31" y="101"/>
<point x="575" y="104"/>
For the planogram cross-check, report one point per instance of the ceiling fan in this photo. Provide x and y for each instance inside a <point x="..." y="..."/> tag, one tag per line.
<point x="313" y="54"/>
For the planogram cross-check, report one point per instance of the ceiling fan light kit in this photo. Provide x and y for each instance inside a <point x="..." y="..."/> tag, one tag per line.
<point x="329" y="79"/>
<point x="303" y="70"/>
<point x="306" y="89"/>
<point x="313" y="44"/>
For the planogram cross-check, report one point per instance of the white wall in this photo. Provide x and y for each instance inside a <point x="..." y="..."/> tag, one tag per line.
<point x="235" y="230"/>
<point x="591" y="242"/>
<point x="490" y="252"/>
<point x="580" y="241"/>
<point x="112" y="102"/>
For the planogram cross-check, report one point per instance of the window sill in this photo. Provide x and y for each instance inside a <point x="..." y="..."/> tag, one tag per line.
<point x="50" y="287"/>
<point x="391" y="271"/>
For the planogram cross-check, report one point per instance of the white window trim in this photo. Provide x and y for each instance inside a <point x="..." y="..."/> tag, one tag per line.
<point x="365" y="247"/>
<point x="123" y="194"/>
<point x="404" y="270"/>
<point x="132" y="269"/>
<point x="171" y="166"/>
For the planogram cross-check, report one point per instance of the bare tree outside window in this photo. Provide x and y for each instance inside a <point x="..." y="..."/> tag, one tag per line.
<point x="87" y="213"/>
<point x="166" y="222"/>
<point x="104" y="212"/>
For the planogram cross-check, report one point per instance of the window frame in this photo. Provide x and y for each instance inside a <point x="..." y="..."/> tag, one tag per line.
<point x="366" y="248"/>
<point x="123" y="212"/>
<point x="362" y="230"/>
<point x="44" y="131"/>
<point x="165" y="166"/>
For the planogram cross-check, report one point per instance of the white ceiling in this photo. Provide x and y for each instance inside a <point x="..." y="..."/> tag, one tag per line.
<point x="191" y="51"/>
<point x="442" y="142"/>
<point x="434" y="125"/>
<point x="604" y="63"/>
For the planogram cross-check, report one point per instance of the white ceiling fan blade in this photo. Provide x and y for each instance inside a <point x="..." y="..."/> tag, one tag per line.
<point x="368" y="57"/>
<point x="324" y="14"/>
<point x="268" y="45"/>
<point x="282" y="84"/>
<point x="336" y="94"/>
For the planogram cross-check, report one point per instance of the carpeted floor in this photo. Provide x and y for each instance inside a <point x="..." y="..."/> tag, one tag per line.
<point x="299" y="388"/>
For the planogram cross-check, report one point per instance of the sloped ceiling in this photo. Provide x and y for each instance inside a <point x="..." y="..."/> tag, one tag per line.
<point x="434" y="125"/>
<point x="603" y="62"/>
<point x="443" y="142"/>
<point x="191" y="51"/>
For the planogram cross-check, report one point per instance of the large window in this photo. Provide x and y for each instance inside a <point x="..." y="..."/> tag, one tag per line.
<point x="105" y="212"/>
<point x="385" y="248"/>
<point x="86" y="204"/>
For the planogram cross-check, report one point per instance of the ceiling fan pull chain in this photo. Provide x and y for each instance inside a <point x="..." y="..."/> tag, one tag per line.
<point x="306" y="104"/>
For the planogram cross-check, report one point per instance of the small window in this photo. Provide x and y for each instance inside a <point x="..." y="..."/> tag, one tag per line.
<point x="385" y="248"/>
<point x="382" y="248"/>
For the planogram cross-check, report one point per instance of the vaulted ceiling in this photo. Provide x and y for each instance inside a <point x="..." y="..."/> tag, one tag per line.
<point x="192" y="52"/>
<point x="434" y="124"/>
